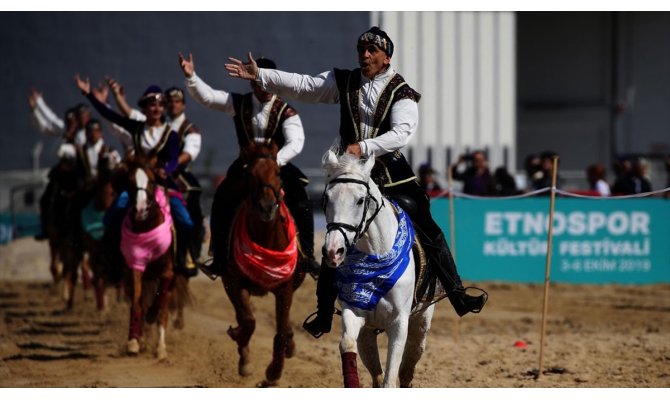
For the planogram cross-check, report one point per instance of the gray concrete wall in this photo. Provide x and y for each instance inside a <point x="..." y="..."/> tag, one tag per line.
<point x="46" y="49"/>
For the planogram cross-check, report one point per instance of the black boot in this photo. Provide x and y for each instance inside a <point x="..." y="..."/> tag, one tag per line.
<point x="443" y="264"/>
<point x="464" y="303"/>
<point x="326" y="293"/>
<point x="210" y="268"/>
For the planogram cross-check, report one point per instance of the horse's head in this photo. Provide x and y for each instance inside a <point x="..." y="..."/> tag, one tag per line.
<point x="346" y="203"/>
<point x="260" y="162"/>
<point x="141" y="187"/>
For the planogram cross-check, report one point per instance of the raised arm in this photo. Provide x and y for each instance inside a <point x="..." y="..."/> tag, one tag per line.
<point x="47" y="121"/>
<point x="119" y="97"/>
<point x="201" y="91"/>
<point x="310" y="89"/>
<point x="128" y="124"/>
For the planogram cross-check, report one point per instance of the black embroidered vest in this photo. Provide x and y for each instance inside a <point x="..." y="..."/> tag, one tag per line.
<point x="392" y="168"/>
<point x="279" y="112"/>
<point x="85" y="163"/>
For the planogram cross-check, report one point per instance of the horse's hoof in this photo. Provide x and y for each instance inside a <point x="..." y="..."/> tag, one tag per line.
<point x="178" y="323"/>
<point x="161" y="354"/>
<point x="266" y="384"/>
<point x="245" y="370"/>
<point x="133" y="347"/>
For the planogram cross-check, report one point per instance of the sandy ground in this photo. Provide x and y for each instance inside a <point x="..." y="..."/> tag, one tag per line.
<point x="597" y="336"/>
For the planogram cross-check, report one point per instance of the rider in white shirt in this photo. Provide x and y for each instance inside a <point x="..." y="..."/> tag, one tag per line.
<point x="378" y="115"/>
<point x="269" y="119"/>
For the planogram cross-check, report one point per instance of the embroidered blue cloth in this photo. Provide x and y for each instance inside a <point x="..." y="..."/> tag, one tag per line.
<point x="91" y="221"/>
<point x="363" y="279"/>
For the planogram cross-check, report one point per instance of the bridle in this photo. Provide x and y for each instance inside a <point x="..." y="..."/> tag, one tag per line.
<point x="364" y="224"/>
<point x="277" y="192"/>
<point x="150" y="190"/>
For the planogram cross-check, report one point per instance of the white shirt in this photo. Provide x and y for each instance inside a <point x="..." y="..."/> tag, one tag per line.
<point x="292" y="129"/>
<point x="192" y="141"/>
<point x="603" y="188"/>
<point x="93" y="155"/>
<point x="323" y="89"/>
<point x="48" y="122"/>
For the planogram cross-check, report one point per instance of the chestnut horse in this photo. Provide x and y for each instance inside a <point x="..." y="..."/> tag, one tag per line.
<point x="146" y="245"/>
<point x="101" y="195"/>
<point x="263" y="230"/>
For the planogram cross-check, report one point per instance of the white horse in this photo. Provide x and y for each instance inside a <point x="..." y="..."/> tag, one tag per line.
<point x="359" y="218"/>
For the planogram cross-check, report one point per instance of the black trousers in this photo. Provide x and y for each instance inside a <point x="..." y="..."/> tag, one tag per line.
<point x="231" y="193"/>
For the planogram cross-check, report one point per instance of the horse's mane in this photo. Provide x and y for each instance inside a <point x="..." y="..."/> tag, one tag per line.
<point x="346" y="164"/>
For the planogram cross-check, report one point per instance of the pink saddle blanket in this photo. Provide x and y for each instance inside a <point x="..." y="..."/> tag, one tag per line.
<point x="140" y="249"/>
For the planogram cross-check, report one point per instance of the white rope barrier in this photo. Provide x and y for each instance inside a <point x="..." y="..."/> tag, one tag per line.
<point x="470" y="196"/>
<point x="445" y="193"/>
<point x="628" y="196"/>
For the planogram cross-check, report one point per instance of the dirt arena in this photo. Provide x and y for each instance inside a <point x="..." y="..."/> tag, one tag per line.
<point x="597" y="336"/>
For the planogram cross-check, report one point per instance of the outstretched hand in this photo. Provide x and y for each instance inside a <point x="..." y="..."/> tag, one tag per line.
<point x="32" y="98"/>
<point x="83" y="85"/>
<point x="115" y="86"/>
<point x="101" y="92"/>
<point x="187" y="65"/>
<point x="238" y="69"/>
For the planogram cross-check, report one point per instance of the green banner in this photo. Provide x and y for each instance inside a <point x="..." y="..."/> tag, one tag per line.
<point x="595" y="241"/>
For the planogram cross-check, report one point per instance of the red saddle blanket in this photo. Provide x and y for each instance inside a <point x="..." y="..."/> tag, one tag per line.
<point x="267" y="268"/>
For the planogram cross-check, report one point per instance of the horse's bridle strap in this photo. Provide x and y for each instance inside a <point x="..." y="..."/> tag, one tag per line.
<point x="365" y="223"/>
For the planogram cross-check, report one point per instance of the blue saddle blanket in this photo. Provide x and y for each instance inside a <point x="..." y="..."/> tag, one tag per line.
<point x="363" y="279"/>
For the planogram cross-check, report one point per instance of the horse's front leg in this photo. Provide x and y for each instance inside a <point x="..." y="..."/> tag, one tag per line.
<point x="135" y="325"/>
<point x="351" y="327"/>
<point x="397" y="337"/>
<point x="246" y="323"/>
<point x="161" y="302"/>
<point x="283" y="345"/>
<point x="86" y="279"/>
<point x="53" y="266"/>
<point x="369" y="352"/>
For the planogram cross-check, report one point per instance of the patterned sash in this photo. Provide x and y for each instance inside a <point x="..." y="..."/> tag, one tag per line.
<point x="363" y="279"/>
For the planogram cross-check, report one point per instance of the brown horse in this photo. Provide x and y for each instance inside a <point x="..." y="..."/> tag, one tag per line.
<point x="262" y="230"/>
<point x="102" y="194"/>
<point x="64" y="226"/>
<point x="146" y="244"/>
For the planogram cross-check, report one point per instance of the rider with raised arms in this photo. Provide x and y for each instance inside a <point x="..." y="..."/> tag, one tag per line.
<point x="378" y="116"/>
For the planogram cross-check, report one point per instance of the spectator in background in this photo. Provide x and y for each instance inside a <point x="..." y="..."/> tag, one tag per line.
<point x="546" y="170"/>
<point x="622" y="169"/>
<point x="473" y="171"/>
<point x="427" y="178"/>
<point x="505" y="185"/>
<point x="635" y="181"/>
<point x="533" y="167"/>
<point x="595" y="174"/>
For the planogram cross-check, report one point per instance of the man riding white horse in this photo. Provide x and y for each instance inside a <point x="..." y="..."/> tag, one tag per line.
<point x="378" y="116"/>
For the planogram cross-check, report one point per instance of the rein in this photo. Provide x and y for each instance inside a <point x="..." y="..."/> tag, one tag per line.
<point x="364" y="224"/>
